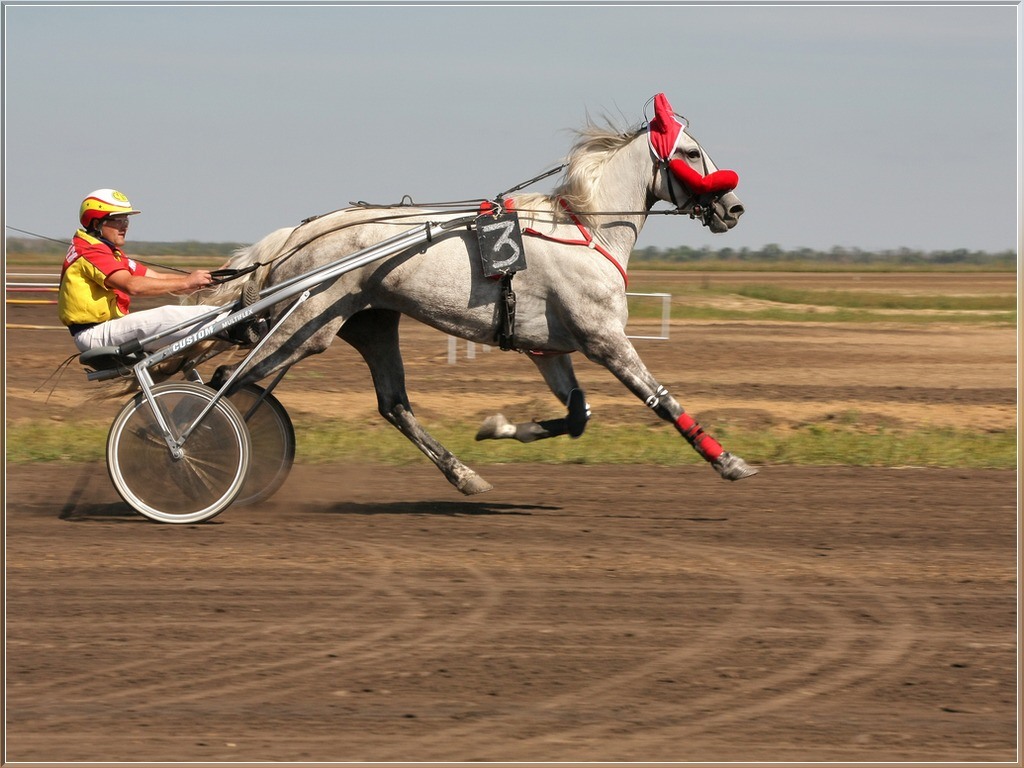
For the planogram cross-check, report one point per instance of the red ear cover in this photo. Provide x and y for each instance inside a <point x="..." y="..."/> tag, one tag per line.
<point x="664" y="128"/>
<point x="716" y="183"/>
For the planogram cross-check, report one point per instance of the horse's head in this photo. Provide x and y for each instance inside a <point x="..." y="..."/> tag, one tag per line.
<point x="686" y="176"/>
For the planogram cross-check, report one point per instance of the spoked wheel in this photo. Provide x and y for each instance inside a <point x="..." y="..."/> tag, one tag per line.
<point x="204" y="480"/>
<point x="273" y="442"/>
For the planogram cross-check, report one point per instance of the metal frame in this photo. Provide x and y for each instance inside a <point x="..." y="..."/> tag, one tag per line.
<point x="300" y="286"/>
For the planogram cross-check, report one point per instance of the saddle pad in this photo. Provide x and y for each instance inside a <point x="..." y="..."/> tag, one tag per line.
<point x="501" y="244"/>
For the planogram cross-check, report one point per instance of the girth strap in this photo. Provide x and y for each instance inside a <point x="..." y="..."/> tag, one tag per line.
<point x="505" y="334"/>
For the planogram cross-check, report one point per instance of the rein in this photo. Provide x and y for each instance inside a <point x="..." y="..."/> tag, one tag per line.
<point x="66" y="242"/>
<point x="457" y="206"/>
<point x="226" y="275"/>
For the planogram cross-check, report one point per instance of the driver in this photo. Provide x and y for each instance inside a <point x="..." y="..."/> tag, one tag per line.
<point x="98" y="281"/>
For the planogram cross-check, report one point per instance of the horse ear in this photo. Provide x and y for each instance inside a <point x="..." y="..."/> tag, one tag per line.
<point x="662" y="107"/>
<point x="664" y="128"/>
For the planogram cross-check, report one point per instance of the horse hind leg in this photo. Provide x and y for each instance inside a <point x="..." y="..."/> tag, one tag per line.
<point x="498" y="427"/>
<point x="560" y="377"/>
<point x="374" y="334"/>
<point x="458" y="474"/>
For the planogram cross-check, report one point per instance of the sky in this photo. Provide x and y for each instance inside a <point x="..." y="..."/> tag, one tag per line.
<point x="876" y="127"/>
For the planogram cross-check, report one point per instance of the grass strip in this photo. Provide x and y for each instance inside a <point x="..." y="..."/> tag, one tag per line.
<point x="813" y="444"/>
<point x="823" y="315"/>
<point x="875" y="300"/>
<point x="794" y="305"/>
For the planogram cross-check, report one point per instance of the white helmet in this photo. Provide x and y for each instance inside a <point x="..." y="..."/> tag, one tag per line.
<point x="102" y="203"/>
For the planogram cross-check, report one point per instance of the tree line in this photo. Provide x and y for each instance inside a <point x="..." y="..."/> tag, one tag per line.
<point x="774" y="254"/>
<point x="682" y="254"/>
<point x="186" y="248"/>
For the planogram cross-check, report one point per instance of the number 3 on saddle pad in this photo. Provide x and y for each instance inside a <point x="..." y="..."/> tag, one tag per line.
<point x="501" y="244"/>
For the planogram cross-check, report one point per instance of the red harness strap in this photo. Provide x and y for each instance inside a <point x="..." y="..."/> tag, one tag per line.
<point x="588" y="239"/>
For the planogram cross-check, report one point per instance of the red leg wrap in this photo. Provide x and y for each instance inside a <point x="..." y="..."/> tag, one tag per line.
<point x="702" y="442"/>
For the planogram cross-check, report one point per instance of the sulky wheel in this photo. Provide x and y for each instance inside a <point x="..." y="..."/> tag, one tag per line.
<point x="204" y="480"/>
<point x="273" y="442"/>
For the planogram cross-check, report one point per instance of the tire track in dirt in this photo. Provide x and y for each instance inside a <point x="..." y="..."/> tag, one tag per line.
<point x="415" y="630"/>
<point x="222" y="653"/>
<point x="846" y="653"/>
<point x="869" y="631"/>
<point x="235" y="659"/>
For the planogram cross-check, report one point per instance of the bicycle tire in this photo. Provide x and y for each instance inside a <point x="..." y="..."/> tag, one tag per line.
<point x="272" y="438"/>
<point x="199" y="485"/>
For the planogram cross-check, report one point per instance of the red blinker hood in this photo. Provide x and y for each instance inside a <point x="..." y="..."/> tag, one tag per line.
<point x="663" y="134"/>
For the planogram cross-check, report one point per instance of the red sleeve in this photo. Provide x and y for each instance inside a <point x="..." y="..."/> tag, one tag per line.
<point x="106" y="262"/>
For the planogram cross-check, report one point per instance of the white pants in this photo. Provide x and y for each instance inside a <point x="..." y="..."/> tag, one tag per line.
<point x="146" y="322"/>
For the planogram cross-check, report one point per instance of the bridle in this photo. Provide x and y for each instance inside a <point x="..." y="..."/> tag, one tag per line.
<point x="704" y="187"/>
<point x="696" y="204"/>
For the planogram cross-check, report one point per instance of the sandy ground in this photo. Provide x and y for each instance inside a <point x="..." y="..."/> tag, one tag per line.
<point x="574" y="613"/>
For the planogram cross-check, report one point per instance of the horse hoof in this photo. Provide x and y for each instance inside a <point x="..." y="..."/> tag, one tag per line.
<point x="495" y="428"/>
<point x="474" y="484"/>
<point x="732" y="467"/>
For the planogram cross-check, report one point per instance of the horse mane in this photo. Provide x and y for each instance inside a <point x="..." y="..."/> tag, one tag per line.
<point x="594" y="146"/>
<point x="262" y="252"/>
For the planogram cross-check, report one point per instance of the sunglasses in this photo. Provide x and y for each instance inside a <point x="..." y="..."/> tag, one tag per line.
<point x="120" y="222"/>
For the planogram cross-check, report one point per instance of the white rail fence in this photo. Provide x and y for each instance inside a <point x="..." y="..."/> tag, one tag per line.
<point x="21" y="288"/>
<point x="32" y="287"/>
<point x="453" y="342"/>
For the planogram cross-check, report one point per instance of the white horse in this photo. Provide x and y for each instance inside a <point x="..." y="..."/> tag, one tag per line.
<point x="570" y="297"/>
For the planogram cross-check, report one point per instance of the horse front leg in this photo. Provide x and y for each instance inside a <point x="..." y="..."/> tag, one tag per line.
<point x="558" y="372"/>
<point x="617" y="354"/>
<point x="374" y="334"/>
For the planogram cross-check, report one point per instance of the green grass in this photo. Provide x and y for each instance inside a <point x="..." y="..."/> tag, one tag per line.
<point x="819" y="265"/>
<point x="869" y="300"/>
<point x="56" y="441"/>
<point x="781" y="314"/>
<point x="799" y="305"/>
<point x="843" y="442"/>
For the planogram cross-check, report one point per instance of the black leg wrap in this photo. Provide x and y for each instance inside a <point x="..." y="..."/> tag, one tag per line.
<point x="221" y="375"/>
<point x="579" y="414"/>
<point x="498" y="427"/>
<point x="573" y="424"/>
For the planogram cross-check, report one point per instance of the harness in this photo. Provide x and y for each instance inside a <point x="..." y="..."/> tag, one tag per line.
<point x="664" y="133"/>
<point x="588" y="239"/>
<point x="506" y="331"/>
<point x="506" y="307"/>
<point x="706" y="187"/>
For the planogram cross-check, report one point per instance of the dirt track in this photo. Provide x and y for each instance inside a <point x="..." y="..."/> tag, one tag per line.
<point x="574" y="613"/>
